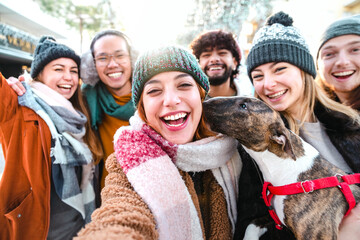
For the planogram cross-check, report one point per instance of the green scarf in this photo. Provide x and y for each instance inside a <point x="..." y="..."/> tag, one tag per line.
<point x="100" y="101"/>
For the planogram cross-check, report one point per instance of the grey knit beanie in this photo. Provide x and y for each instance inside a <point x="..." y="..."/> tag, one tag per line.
<point x="343" y="26"/>
<point x="48" y="50"/>
<point x="279" y="41"/>
<point x="165" y="59"/>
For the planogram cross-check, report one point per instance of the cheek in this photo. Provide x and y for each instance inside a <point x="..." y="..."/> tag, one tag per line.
<point x="99" y="70"/>
<point x="202" y="63"/>
<point x="128" y="66"/>
<point x="324" y="66"/>
<point x="197" y="106"/>
<point x="76" y="83"/>
<point x="258" y="87"/>
<point x="150" y="110"/>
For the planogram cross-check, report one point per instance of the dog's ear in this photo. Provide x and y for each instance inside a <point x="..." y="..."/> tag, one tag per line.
<point x="281" y="136"/>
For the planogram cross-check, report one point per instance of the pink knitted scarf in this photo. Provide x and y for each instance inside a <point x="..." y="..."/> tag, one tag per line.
<point x="150" y="163"/>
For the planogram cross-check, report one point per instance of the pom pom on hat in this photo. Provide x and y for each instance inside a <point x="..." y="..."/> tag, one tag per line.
<point x="48" y="50"/>
<point x="281" y="18"/>
<point x="279" y="41"/>
<point x="165" y="59"/>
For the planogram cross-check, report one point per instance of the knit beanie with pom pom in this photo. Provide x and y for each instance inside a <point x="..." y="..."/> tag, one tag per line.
<point x="279" y="41"/>
<point x="48" y="50"/>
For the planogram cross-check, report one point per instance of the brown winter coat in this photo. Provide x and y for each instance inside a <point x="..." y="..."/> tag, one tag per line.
<point x="124" y="215"/>
<point x="25" y="183"/>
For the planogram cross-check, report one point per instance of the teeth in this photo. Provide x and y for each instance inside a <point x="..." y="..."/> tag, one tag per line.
<point x="175" y="117"/>
<point x="65" y="86"/>
<point x="215" y="68"/>
<point x="277" y="94"/>
<point x="115" y="75"/>
<point x="174" y="125"/>
<point x="341" y="74"/>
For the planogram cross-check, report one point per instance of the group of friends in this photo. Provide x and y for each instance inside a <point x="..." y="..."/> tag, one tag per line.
<point x="112" y="145"/>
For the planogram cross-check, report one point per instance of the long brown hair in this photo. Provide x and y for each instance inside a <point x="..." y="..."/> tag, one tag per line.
<point x="202" y="131"/>
<point x="90" y="137"/>
<point x="353" y="101"/>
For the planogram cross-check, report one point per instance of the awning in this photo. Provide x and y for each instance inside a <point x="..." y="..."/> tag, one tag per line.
<point x="13" y="55"/>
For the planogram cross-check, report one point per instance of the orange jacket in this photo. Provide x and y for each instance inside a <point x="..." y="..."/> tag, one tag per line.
<point x="25" y="183"/>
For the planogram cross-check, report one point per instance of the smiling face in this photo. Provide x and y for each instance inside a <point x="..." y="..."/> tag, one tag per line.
<point x="217" y="64"/>
<point x="61" y="75"/>
<point x="280" y="85"/>
<point x="173" y="106"/>
<point x="116" y="73"/>
<point x="339" y="64"/>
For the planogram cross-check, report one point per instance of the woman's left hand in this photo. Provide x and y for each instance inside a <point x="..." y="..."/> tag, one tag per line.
<point x="350" y="226"/>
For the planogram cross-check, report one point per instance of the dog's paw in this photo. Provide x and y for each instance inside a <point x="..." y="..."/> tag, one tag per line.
<point x="254" y="232"/>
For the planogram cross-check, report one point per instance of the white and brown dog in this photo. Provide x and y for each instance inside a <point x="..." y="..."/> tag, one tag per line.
<point x="283" y="158"/>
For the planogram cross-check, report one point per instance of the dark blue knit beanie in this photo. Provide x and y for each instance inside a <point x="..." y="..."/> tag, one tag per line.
<point x="343" y="26"/>
<point x="48" y="50"/>
<point x="279" y="41"/>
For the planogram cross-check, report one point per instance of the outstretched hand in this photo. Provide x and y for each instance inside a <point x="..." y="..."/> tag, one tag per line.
<point x="350" y="225"/>
<point x="15" y="84"/>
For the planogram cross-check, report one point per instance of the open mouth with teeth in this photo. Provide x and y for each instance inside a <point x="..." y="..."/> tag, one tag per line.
<point x="175" y="120"/>
<point x="115" y="75"/>
<point x="65" y="87"/>
<point x="215" y="68"/>
<point x="343" y="75"/>
<point x="277" y="95"/>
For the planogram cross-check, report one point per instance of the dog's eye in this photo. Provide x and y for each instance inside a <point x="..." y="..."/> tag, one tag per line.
<point x="243" y="106"/>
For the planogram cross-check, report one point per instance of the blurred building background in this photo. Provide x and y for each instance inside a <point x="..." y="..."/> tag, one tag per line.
<point x="20" y="29"/>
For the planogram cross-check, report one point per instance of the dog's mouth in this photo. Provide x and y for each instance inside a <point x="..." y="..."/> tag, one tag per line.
<point x="277" y="95"/>
<point x="175" y="120"/>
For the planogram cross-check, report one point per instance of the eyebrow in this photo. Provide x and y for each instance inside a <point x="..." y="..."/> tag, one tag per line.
<point x="62" y="65"/>
<point x="117" y="51"/>
<point x="180" y="75"/>
<point x="271" y="66"/>
<point x="151" y="82"/>
<point x="334" y="46"/>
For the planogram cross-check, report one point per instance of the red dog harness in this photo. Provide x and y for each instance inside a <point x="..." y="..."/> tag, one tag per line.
<point x="309" y="186"/>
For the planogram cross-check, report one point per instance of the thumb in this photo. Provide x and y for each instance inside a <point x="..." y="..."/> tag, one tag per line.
<point x="21" y="78"/>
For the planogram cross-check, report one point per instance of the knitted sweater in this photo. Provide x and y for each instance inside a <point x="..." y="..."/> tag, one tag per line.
<point x="128" y="213"/>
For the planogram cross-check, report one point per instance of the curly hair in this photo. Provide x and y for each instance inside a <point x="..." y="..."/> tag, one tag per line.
<point x="217" y="39"/>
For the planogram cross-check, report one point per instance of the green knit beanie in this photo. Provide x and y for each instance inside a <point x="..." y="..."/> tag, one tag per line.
<point x="48" y="50"/>
<point x="343" y="26"/>
<point x="165" y="59"/>
<point x="279" y="41"/>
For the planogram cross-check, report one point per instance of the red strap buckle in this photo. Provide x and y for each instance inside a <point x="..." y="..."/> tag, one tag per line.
<point x="307" y="184"/>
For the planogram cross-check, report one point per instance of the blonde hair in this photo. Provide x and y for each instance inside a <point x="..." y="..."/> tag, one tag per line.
<point x="202" y="130"/>
<point x="313" y="93"/>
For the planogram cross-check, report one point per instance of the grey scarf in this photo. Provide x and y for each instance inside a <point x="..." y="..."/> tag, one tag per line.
<point x="68" y="152"/>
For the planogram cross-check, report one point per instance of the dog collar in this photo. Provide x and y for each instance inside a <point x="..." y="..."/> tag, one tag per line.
<point x="309" y="186"/>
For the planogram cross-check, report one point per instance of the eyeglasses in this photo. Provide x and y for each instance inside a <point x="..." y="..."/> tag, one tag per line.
<point x="104" y="60"/>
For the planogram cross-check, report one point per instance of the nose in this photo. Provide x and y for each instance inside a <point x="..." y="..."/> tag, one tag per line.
<point x="67" y="75"/>
<point x="171" y="98"/>
<point x="269" y="82"/>
<point x="214" y="58"/>
<point x="112" y="62"/>
<point x="342" y="59"/>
